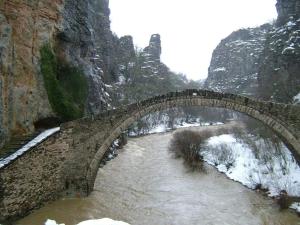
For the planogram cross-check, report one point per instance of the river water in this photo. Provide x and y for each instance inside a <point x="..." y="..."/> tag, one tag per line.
<point x="145" y="185"/>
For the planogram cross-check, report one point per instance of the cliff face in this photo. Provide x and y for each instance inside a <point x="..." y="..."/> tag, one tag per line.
<point x="24" y="27"/>
<point x="79" y="33"/>
<point x="279" y="66"/>
<point x="287" y="9"/>
<point x="262" y="62"/>
<point x="85" y="40"/>
<point x="234" y="63"/>
<point x="141" y="73"/>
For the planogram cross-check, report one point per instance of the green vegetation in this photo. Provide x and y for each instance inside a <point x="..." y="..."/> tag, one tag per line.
<point x="66" y="85"/>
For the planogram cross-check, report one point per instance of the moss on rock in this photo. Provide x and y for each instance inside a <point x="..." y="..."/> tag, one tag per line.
<point x="66" y="85"/>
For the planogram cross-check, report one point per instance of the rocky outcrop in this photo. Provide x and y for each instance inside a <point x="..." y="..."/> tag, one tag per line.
<point x="153" y="51"/>
<point x="264" y="61"/>
<point x="287" y="9"/>
<point x="25" y="26"/>
<point x="279" y="65"/>
<point x="126" y="49"/>
<point x="79" y="33"/>
<point x="234" y="63"/>
<point x="141" y="74"/>
<point x="151" y="64"/>
<point x="85" y="40"/>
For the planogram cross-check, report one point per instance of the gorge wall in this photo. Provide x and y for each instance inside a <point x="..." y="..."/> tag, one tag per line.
<point x="24" y="27"/>
<point x="262" y="62"/>
<point x="141" y="73"/>
<point x="74" y="31"/>
<point x="77" y="34"/>
<point x="234" y="63"/>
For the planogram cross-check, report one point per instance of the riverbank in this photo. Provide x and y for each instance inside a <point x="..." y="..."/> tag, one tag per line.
<point x="145" y="185"/>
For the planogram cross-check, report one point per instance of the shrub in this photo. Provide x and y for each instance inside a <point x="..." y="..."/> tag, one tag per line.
<point x="283" y="200"/>
<point x="66" y="85"/>
<point x="186" y="144"/>
<point x="222" y="154"/>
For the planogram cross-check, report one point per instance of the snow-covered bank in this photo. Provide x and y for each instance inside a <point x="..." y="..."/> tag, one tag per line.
<point x="161" y="128"/>
<point x="274" y="172"/>
<point x="41" y="137"/>
<point x="296" y="206"/>
<point x="104" y="221"/>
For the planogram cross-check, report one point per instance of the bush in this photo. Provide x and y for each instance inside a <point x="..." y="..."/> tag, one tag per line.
<point x="222" y="154"/>
<point x="186" y="144"/>
<point x="66" y="85"/>
<point x="283" y="200"/>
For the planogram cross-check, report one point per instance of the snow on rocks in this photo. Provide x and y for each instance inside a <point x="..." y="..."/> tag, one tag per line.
<point x="297" y="99"/>
<point x="219" y="69"/>
<point x="44" y="135"/>
<point x="288" y="49"/>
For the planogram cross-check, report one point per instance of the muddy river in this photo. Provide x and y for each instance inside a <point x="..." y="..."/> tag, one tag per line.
<point x="145" y="185"/>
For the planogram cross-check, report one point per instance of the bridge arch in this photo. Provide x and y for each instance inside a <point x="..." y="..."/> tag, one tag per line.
<point x="70" y="158"/>
<point x="281" y="118"/>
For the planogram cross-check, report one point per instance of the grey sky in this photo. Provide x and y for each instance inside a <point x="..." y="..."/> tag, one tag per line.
<point x="189" y="29"/>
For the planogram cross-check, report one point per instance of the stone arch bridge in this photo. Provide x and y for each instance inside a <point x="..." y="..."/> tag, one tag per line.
<point x="67" y="162"/>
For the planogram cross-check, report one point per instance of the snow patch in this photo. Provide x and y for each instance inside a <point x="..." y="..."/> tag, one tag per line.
<point x="219" y="69"/>
<point x="297" y="98"/>
<point x="296" y="206"/>
<point x="52" y="222"/>
<point x="44" y="135"/>
<point x="290" y="24"/>
<point x="122" y="80"/>
<point x="104" y="221"/>
<point x="289" y="49"/>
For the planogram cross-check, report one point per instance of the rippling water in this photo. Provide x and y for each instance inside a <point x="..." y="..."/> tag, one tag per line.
<point x="145" y="185"/>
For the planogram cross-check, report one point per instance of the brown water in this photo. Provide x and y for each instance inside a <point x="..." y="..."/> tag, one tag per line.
<point x="145" y="185"/>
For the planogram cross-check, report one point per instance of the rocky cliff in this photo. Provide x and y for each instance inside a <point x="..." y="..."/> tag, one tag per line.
<point x="45" y="45"/>
<point x="141" y="73"/>
<point x="279" y="65"/>
<point x="24" y="27"/>
<point x="78" y="33"/>
<point x="287" y="9"/>
<point x="263" y="61"/>
<point x="234" y="63"/>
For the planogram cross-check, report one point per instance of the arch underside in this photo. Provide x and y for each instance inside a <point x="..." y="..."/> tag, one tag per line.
<point x="125" y="121"/>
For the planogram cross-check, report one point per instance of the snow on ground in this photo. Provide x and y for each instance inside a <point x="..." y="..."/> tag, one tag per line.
<point x="296" y="206"/>
<point x="104" y="221"/>
<point x="44" y="135"/>
<point x="163" y="127"/>
<point x="237" y="160"/>
<point x="52" y="222"/>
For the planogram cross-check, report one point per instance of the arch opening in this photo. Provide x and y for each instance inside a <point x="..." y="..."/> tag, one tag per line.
<point x="261" y="111"/>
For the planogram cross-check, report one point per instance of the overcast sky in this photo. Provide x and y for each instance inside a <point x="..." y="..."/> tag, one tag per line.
<point x="190" y="29"/>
